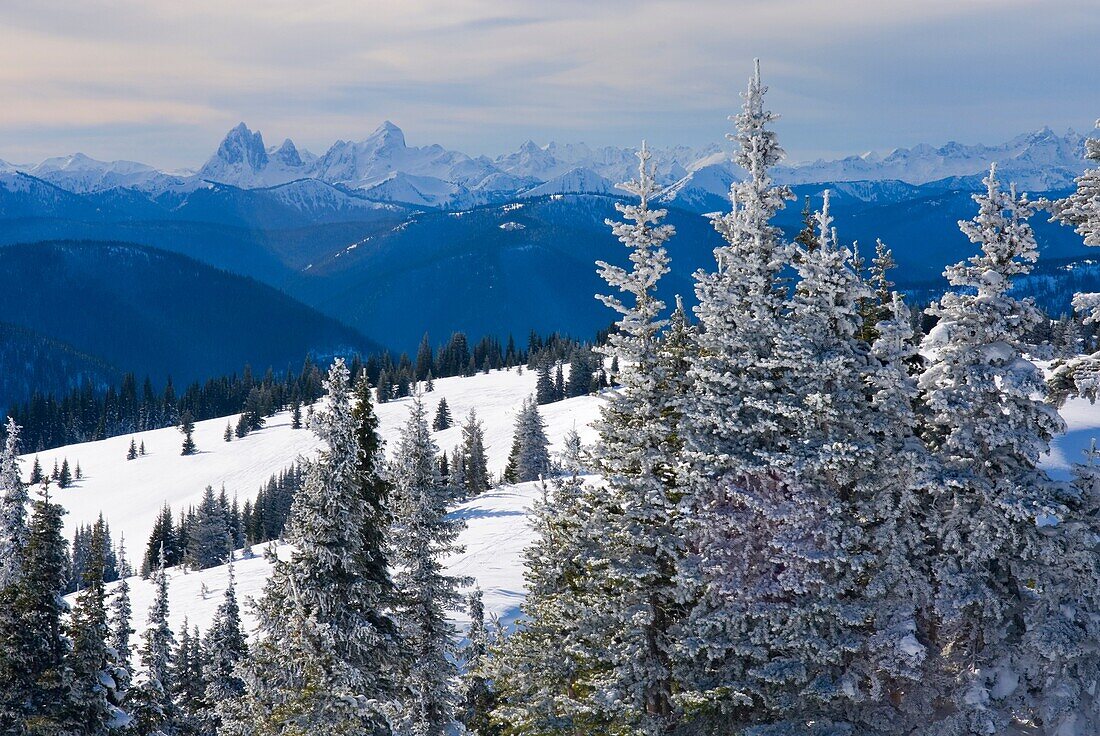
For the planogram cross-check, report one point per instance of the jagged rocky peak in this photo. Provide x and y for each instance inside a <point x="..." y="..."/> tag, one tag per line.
<point x="242" y="145"/>
<point x="287" y="154"/>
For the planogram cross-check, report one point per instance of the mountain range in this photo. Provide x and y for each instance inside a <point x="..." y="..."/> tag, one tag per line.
<point x="383" y="167"/>
<point x="373" y="243"/>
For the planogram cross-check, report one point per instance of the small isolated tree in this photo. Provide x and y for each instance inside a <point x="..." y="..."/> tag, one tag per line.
<point x="132" y="453"/>
<point x="471" y="460"/>
<point x="65" y="477"/>
<point x="442" y="416"/>
<point x="141" y="448"/>
<point x="530" y="457"/>
<point x="227" y="435"/>
<point x="187" y="427"/>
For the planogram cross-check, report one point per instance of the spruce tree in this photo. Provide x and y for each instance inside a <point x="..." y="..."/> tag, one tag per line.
<point x="187" y="427"/>
<point x="32" y="641"/>
<point x="529" y="458"/>
<point x="92" y="668"/>
<point x="422" y="537"/>
<point x="1010" y="618"/>
<point x="541" y="670"/>
<point x="227" y="435"/>
<point x="295" y="415"/>
<point x="224" y="648"/>
<point x="731" y="421"/>
<point x="121" y="613"/>
<point x="150" y="703"/>
<point x="36" y="473"/>
<point x="1081" y="209"/>
<point x="639" y="544"/>
<point x="324" y="659"/>
<point x="442" y="416"/>
<point x="13" y="509"/>
<point x="544" y="384"/>
<point x="478" y="696"/>
<point x="206" y="538"/>
<point x="132" y="453"/>
<point x="141" y="448"/>
<point x="471" y="460"/>
<point x="65" y="477"/>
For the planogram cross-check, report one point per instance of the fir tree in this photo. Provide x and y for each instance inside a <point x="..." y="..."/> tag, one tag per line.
<point x="227" y="435"/>
<point x="132" y="453"/>
<point x="1004" y="604"/>
<point x="479" y="700"/>
<point x="529" y="459"/>
<point x="324" y="657"/>
<point x="471" y="460"/>
<point x="639" y="543"/>
<point x="141" y="448"/>
<point x="65" y="477"/>
<point x="423" y="536"/>
<point x="544" y="384"/>
<point x="121" y="613"/>
<point x="187" y="427"/>
<point x="541" y="670"/>
<point x="150" y="703"/>
<point x="224" y="648"/>
<point x="13" y="509"/>
<point x="206" y="538"/>
<point x="36" y="473"/>
<point x="442" y="417"/>
<point x="731" y="422"/>
<point x="1082" y="210"/>
<point x="295" y="415"/>
<point x="32" y="642"/>
<point x="92" y="670"/>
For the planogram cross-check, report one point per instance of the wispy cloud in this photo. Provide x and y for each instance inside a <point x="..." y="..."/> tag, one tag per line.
<point x="486" y="74"/>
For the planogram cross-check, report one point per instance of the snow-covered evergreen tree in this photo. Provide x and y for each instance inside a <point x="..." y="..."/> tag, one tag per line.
<point x="529" y="458"/>
<point x="477" y="690"/>
<point x="94" y="693"/>
<point x="471" y="462"/>
<point x="1082" y="210"/>
<point x="422" y="537"/>
<point x="442" y="416"/>
<point x="640" y="545"/>
<point x="13" y="509"/>
<point x="206" y="537"/>
<point x="732" y="422"/>
<point x="224" y="646"/>
<point x="121" y="613"/>
<point x="324" y="657"/>
<point x="1003" y="625"/>
<point x="32" y="641"/>
<point x="541" y="670"/>
<point x="150" y="702"/>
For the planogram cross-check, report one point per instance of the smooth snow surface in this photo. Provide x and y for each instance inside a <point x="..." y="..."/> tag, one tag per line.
<point x="130" y="493"/>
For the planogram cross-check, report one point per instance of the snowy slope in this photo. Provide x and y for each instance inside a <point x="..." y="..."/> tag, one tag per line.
<point x="130" y="493"/>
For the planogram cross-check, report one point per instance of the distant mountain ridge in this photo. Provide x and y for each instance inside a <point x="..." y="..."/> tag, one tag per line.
<point x="383" y="167"/>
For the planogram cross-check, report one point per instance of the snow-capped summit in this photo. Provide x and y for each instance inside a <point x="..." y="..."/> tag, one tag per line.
<point x="243" y="161"/>
<point x="81" y="174"/>
<point x="572" y="182"/>
<point x="288" y="155"/>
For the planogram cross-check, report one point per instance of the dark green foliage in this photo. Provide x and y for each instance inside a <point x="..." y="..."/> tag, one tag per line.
<point x="187" y="427"/>
<point x="442" y="417"/>
<point x="32" y="644"/>
<point x="65" y="477"/>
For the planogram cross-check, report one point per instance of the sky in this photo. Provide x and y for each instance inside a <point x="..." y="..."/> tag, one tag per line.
<point x="162" y="81"/>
